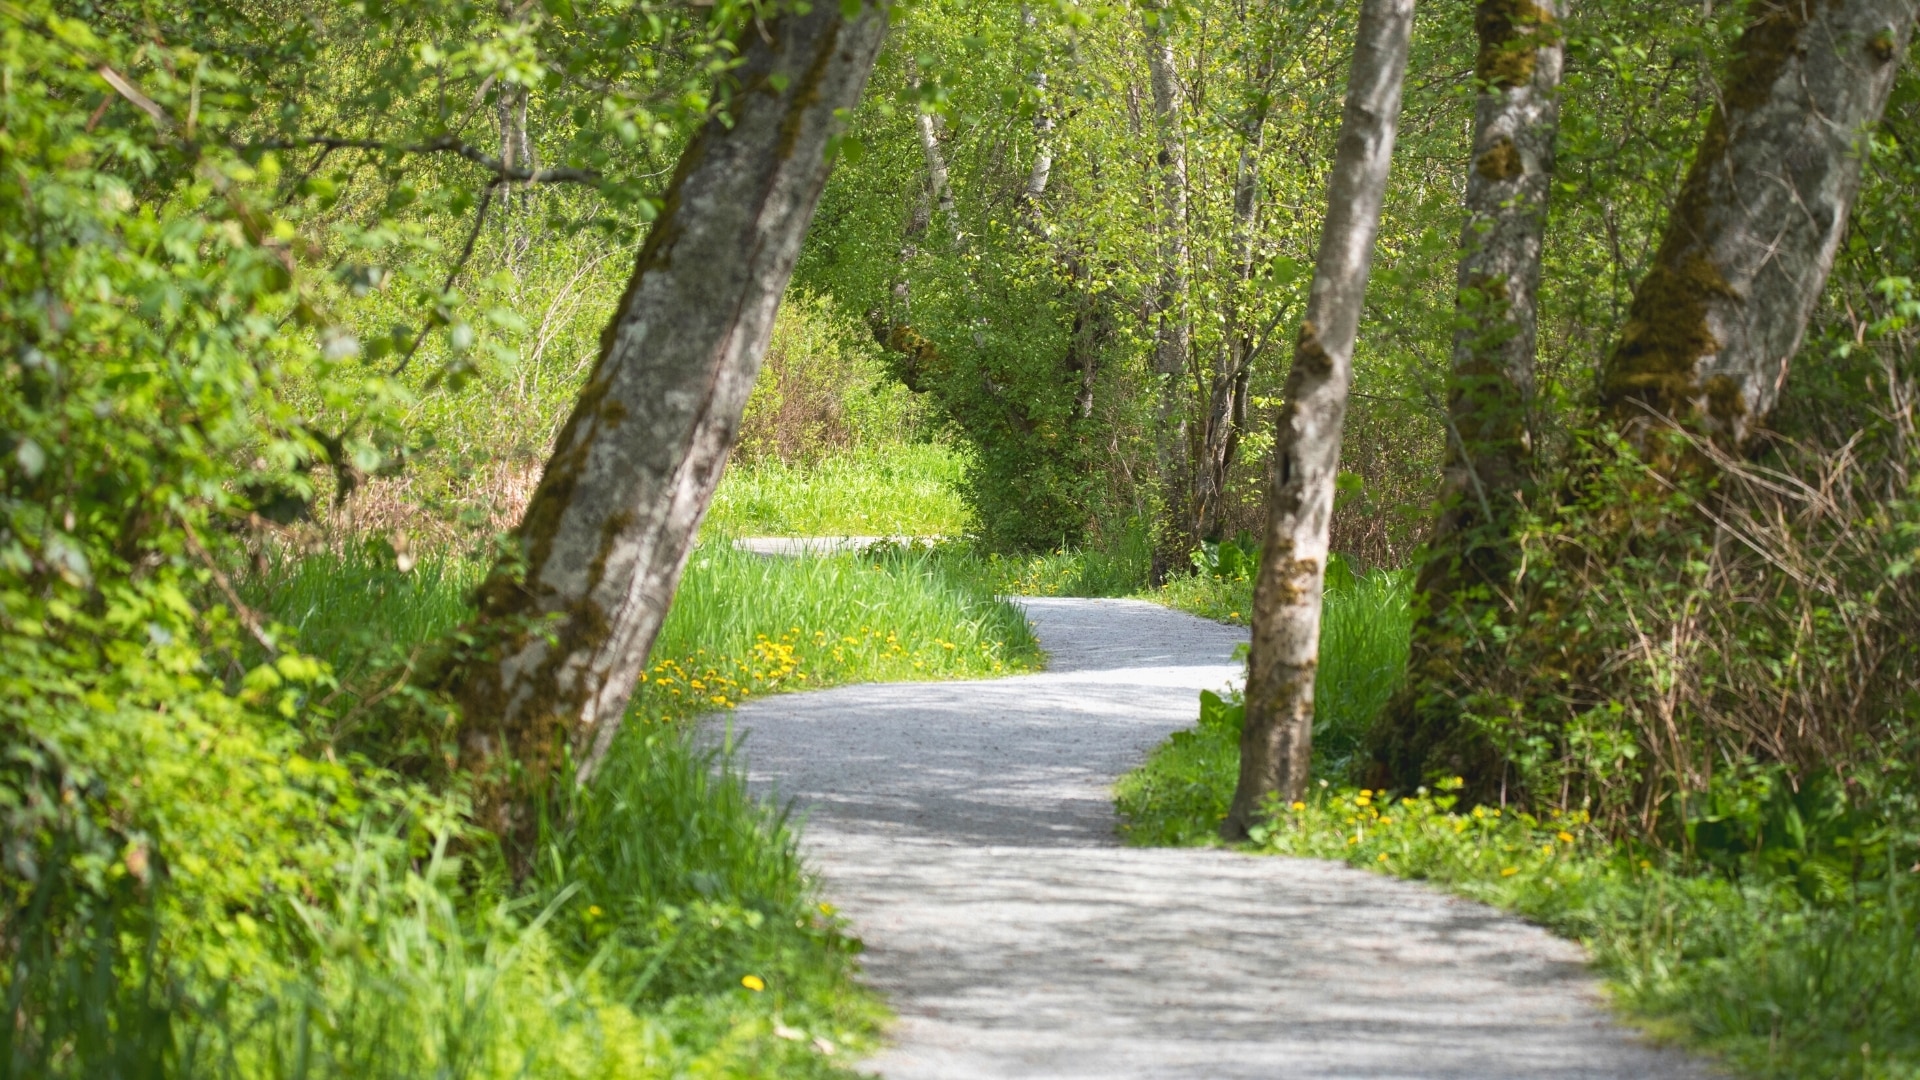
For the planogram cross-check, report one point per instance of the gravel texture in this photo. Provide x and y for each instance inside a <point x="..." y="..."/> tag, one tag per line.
<point x="967" y="831"/>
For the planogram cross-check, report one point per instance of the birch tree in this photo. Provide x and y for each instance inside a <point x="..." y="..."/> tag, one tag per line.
<point x="1277" y="741"/>
<point x="565" y="623"/>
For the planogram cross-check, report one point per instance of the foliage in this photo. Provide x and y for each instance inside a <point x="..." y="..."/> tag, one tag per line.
<point x="822" y="391"/>
<point x="1119" y="569"/>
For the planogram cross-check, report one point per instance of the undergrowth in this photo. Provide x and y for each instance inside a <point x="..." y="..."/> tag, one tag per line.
<point x="1781" y="930"/>
<point x="668" y="929"/>
<point x="1787" y="973"/>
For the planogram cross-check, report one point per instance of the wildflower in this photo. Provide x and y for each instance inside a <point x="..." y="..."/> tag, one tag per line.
<point x="1299" y="806"/>
<point x="1510" y="871"/>
<point x="753" y="982"/>
<point x="1383" y="856"/>
<point x="1565" y="837"/>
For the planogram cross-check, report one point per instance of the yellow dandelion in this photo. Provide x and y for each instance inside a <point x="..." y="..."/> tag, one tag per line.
<point x="1510" y="871"/>
<point x="753" y="982"/>
<point x="1298" y="806"/>
<point x="1566" y="837"/>
<point x="1383" y="856"/>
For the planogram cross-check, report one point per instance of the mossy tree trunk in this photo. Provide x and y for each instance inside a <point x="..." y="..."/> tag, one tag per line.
<point x="1173" y="328"/>
<point x="1753" y="233"/>
<point x="1465" y="582"/>
<point x="565" y="624"/>
<point x="1277" y="743"/>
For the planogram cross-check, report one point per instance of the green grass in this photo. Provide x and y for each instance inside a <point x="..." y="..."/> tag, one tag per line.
<point x="746" y="624"/>
<point x="909" y="489"/>
<point x="671" y="928"/>
<point x="1180" y="795"/>
<point x="1779" y="977"/>
<point x="1787" y="962"/>
<point x="1117" y="569"/>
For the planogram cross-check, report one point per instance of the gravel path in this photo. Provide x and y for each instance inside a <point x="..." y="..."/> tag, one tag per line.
<point x="966" y="830"/>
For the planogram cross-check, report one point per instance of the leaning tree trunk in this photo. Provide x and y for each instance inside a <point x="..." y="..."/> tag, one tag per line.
<point x="1277" y="742"/>
<point x="1466" y="576"/>
<point x="565" y="624"/>
<point x="1753" y="234"/>
<point x="1173" y="332"/>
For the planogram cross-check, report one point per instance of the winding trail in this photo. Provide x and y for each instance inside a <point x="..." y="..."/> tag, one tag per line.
<point x="966" y="830"/>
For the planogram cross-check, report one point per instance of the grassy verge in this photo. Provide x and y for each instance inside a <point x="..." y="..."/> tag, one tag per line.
<point x="910" y="489"/>
<point x="1796" y="958"/>
<point x="1181" y="794"/>
<point x="671" y="929"/>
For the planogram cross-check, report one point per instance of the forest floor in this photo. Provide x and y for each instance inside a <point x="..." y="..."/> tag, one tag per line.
<point x="966" y="830"/>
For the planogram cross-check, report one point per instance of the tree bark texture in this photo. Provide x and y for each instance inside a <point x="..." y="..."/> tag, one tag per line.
<point x="1277" y="742"/>
<point x="938" y="181"/>
<point x="565" y="625"/>
<point x="1226" y="417"/>
<point x="1488" y="466"/>
<point x="1173" y="330"/>
<point x="1753" y="233"/>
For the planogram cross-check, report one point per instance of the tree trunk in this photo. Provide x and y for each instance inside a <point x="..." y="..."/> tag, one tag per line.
<point x="1487" y="470"/>
<point x="1042" y="170"/>
<point x="1173" y="332"/>
<point x="928" y="127"/>
<point x="1226" y="415"/>
<point x="1276" y="744"/>
<point x="1753" y="234"/>
<point x="565" y="624"/>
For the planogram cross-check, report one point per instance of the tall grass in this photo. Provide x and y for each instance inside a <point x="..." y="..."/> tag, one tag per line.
<point x="1180" y="795"/>
<point x="670" y="927"/>
<point x="1116" y="568"/>
<point x="904" y="489"/>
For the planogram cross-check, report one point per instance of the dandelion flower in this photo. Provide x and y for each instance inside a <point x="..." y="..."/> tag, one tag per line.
<point x="1510" y="871"/>
<point x="1566" y="837"/>
<point x="753" y="982"/>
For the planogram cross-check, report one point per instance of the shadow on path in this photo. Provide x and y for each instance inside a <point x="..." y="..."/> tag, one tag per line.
<point x="967" y="831"/>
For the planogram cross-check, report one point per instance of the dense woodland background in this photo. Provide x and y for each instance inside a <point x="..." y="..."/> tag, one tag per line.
<point x="297" y="295"/>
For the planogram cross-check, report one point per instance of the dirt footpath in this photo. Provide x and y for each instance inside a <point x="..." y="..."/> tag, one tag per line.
<point x="967" y="831"/>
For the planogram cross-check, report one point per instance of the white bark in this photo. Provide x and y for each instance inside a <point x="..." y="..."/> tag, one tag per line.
<point x="928" y="127"/>
<point x="1277" y="742"/>
<point x="560" y="644"/>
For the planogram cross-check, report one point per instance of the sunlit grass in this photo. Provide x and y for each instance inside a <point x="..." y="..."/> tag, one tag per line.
<point x="670" y="928"/>
<point x="1785" y="982"/>
<point x="1181" y="793"/>
<point x="908" y="489"/>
